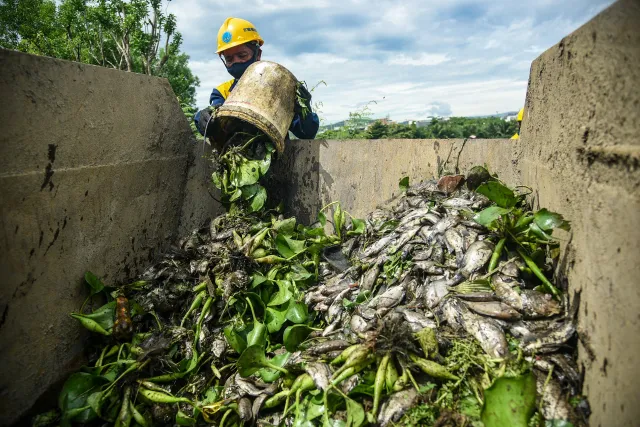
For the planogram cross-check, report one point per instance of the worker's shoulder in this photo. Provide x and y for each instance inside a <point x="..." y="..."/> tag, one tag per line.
<point x="225" y="87"/>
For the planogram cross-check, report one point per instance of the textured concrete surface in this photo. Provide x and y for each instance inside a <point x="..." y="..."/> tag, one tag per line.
<point x="95" y="165"/>
<point x="581" y="153"/>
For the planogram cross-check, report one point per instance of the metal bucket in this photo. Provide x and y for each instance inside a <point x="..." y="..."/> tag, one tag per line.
<point x="264" y="98"/>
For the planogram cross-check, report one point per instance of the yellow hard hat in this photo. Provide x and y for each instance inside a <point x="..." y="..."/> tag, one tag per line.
<point x="236" y="31"/>
<point x="520" y="114"/>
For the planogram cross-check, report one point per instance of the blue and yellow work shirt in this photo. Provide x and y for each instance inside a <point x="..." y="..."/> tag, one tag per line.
<point x="306" y="128"/>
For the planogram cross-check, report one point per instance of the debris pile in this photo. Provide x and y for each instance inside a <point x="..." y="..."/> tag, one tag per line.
<point x="434" y="310"/>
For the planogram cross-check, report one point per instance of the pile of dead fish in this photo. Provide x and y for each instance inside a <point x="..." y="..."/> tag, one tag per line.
<point x="392" y="320"/>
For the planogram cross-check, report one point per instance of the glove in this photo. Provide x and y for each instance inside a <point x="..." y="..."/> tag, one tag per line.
<point x="302" y="106"/>
<point x="204" y="118"/>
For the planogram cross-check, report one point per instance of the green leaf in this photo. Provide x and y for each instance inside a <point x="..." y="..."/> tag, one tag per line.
<point x="548" y="220"/>
<point x="235" y="339"/>
<point x="183" y="419"/>
<point x="236" y="195"/>
<point x="404" y="184"/>
<point x="489" y="215"/>
<point x="322" y="218"/>
<point x="557" y="423"/>
<point x="283" y="295"/>
<point x="510" y="401"/>
<point x="94" y="282"/>
<point x="298" y="312"/>
<point x="498" y="193"/>
<point x="275" y="318"/>
<point x="258" y="201"/>
<point x="299" y="273"/>
<point x="288" y="247"/>
<point x="257" y="279"/>
<point x="251" y="360"/>
<point x="285" y="226"/>
<point x="249" y="191"/>
<point x="264" y="164"/>
<point x="247" y="173"/>
<point x="75" y="394"/>
<point x="269" y="375"/>
<point x="294" y="335"/>
<point x="355" y="413"/>
<point x="358" y="227"/>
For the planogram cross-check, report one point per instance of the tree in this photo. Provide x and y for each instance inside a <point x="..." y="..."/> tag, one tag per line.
<point x="132" y="35"/>
<point x="377" y="130"/>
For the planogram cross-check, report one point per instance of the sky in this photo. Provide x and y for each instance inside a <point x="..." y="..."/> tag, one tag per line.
<point x="403" y="59"/>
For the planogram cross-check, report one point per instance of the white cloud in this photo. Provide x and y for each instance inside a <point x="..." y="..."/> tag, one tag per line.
<point x="414" y="58"/>
<point x="424" y="59"/>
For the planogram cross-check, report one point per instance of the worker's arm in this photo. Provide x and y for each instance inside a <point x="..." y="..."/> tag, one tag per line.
<point x="305" y="122"/>
<point x="305" y="128"/>
<point x="217" y="98"/>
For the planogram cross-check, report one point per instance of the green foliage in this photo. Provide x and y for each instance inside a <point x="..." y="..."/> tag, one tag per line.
<point x="360" y="126"/>
<point x="133" y="35"/>
<point x="510" y="401"/>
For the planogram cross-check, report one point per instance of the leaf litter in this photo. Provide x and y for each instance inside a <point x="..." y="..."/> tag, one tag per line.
<point x="435" y="310"/>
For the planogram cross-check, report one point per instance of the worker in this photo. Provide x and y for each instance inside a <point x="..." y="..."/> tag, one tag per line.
<point x="239" y="46"/>
<point x="519" y="119"/>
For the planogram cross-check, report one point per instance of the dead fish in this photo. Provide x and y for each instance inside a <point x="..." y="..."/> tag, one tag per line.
<point x="350" y="384"/>
<point x="397" y="404"/>
<point x="530" y="303"/>
<point x="554" y="406"/>
<point x="422" y="255"/>
<point x="359" y="325"/>
<point x="550" y="341"/>
<point x="379" y="245"/>
<point x="332" y="328"/>
<point x="487" y="332"/>
<point x="435" y="291"/>
<point x="327" y="346"/>
<point x="429" y="267"/>
<point x="478" y="296"/>
<point x="416" y="321"/>
<point x="320" y="373"/>
<point x="247" y="387"/>
<point x="403" y="239"/>
<point x="437" y="254"/>
<point x="455" y="243"/>
<point x="440" y="227"/>
<point x="389" y="299"/>
<point x="494" y="309"/>
<point x="474" y="259"/>
<point x="369" y="278"/>
<point x="366" y="312"/>
<point x="510" y="269"/>
<point x="244" y="409"/>
<point x="457" y="203"/>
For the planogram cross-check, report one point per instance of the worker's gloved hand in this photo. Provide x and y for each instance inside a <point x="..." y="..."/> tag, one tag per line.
<point x="204" y="118"/>
<point x="302" y="105"/>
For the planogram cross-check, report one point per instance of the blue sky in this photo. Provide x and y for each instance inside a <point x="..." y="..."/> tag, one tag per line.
<point x="414" y="58"/>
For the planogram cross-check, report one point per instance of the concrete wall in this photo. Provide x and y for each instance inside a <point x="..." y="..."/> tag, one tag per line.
<point x="95" y="166"/>
<point x="579" y="151"/>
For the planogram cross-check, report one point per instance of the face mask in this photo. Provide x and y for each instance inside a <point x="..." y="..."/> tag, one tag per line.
<point x="237" y="69"/>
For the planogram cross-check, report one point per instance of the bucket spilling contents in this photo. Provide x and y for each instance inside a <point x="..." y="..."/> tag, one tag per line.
<point x="435" y="309"/>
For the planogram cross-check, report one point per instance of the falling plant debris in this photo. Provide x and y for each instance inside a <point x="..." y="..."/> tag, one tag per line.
<point x="431" y="311"/>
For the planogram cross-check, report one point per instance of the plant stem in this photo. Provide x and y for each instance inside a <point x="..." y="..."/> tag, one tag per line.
<point x="539" y="274"/>
<point x="496" y="254"/>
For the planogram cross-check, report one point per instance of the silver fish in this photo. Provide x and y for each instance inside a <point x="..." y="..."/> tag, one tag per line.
<point x="476" y="257"/>
<point x="403" y="239"/>
<point x="494" y="309"/>
<point x="359" y="325"/>
<point x="553" y="406"/>
<point x="531" y="303"/>
<point x="429" y="267"/>
<point x="422" y="255"/>
<point x="550" y="341"/>
<point x="440" y="227"/>
<point x="416" y="321"/>
<point x="327" y="346"/>
<point x="436" y="290"/>
<point x="244" y="409"/>
<point x="320" y="373"/>
<point x="477" y="296"/>
<point x="455" y="243"/>
<point x="368" y="279"/>
<point x="389" y="299"/>
<point x="457" y="203"/>
<point x="397" y="404"/>
<point x="379" y="245"/>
